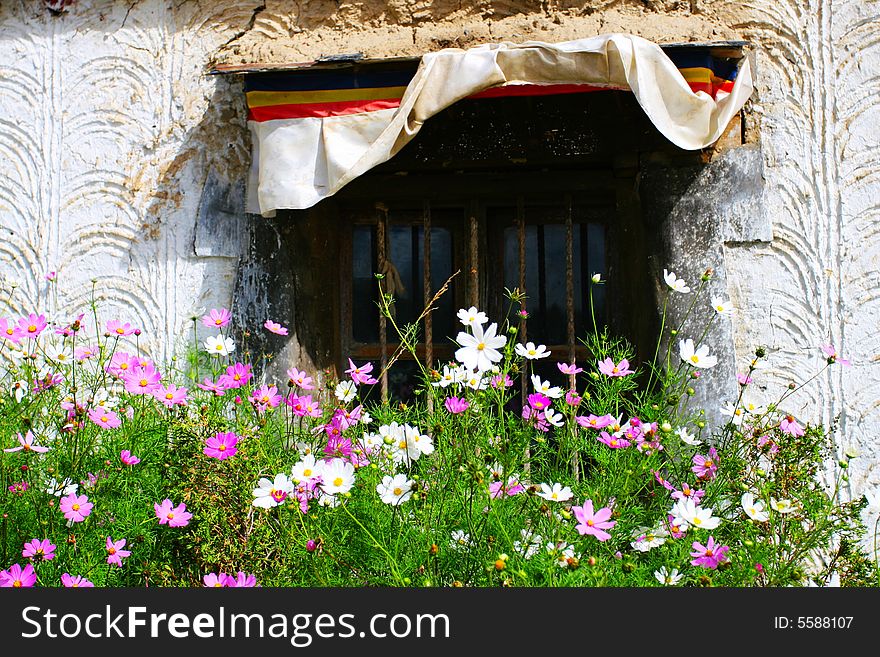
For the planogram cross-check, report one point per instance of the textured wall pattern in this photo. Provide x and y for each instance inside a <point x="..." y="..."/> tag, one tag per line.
<point x="109" y="130"/>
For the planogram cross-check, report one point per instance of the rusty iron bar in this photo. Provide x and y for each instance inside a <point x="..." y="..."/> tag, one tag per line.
<point x="473" y="258"/>
<point x="569" y="284"/>
<point x="521" y="237"/>
<point x="381" y="257"/>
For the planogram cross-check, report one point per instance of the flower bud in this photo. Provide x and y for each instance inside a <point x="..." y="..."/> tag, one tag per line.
<point x="760" y="352"/>
<point x="597" y="278"/>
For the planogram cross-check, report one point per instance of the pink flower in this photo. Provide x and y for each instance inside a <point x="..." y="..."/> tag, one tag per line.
<point x="705" y="466"/>
<point x="236" y="376"/>
<point x="85" y="353"/>
<point x="686" y="491"/>
<point x="572" y="398"/>
<point x="26" y="443"/>
<point x="790" y="426"/>
<point x="19" y="488"/>
<point x="173" y="516"/>
<point x="76" y="507"/>
<point x="275" y="327"/>
<point x="456" y="405"/>
<point x="509" y="488"/>
<point x="832" y="355"/>
<point x="40" y="550"/>
<point x="117" y="328"/>
<point x="75" y="581"/>
<point x="217" y="388"/>
<point x="243" y="580"/>
<point x="51" y="276"/>
<point x="170" y="395"/>
<point x="10" y="331"/>
<point x="17" y="577"/>
<point x="303" y="405"/>
<point x="614" y="442"/>
<point x="499" y="381"/>
<point x="265" y="397"/>
<point x="535" y="418"/>
<point x="121" y="364"/>
<point x="591" y="523"/>
<point x="594" y="421"/>
<point x="300" y="379"/>
<point x="565" y="368"/>
<point x="115" y="553"/>
<point x="218" y="580"/>
<point x="361" y="374"/>
<point x="743" y="379"/>
<point x="709" y="555"/>
<point x="608" y="368"/>
<point x="222" y="446"/>
<point x="143" y="380"/>
<point x="217" y="318"/>
<point x="538" y="401"/>
<point x="128" y="458"/>
<point x="104" y="418"/>
<point x="31" y="326"/>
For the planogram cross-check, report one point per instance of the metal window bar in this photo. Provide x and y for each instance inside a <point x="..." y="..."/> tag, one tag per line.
<point x="426" y="283"/>
<point x="569" y="285"/>
<point x="521" y="237"/>
<point x="473" y="258"/>
<point x="381" y="230"/>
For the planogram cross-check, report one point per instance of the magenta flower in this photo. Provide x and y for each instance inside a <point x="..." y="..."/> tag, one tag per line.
<point x="266" y="397"/>
<point x="39" y="550"/>
<point x="499" y="381"/>
<point x="222" y="446"/>
<point x="173" y="516"/>
<point x="19" y="488"/>
<point x="743" y="379"/>
<point x="705" y="467"/>
<point x="9" y="331"/>
<point x="509" y="488"/>
<point x="121" y="364"/>
<point x="361" y="374"/>
<point x="591" y="523"/>
<point x="456" y="405"/>
<point x="236" y="376"/>
<point x="572" y="398"/>
<point x="832" y="355"/>
<point x="17" y="577"/>
<point x="115" y="553"/>
<point x="51" y="276"/>
<point x="26" y="443"/>
<point x="608" y="368"/>
<point x="217" y="318"/>
<point x="275" y="327"/>
<point x="593" y="421"/>
<point x="128" y="458"/>
<point x="218" y="580"/>
<point x="696" y="494"/>
<point x="116" y="327"/>
<point x="538" y="401"/>
<point x="709" y="555"/>
<point x="243" y="580"/>
<point x="300" y="379"/>
<point x="217" y="388"/>
<point x="170" y="395"/>
<point x="566" y="368"/>
<point x="143" y="380"/>
<point x="104" y="418"/>
<point x="76" y="507"/>
<point x="790" y="426"/>
<point x="75" y="581"/>
<point x="31" y="326"/>
<point x="614" y="442"/>
<point x="303" y="405"/>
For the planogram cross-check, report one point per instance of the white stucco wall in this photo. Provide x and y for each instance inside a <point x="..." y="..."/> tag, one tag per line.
<point x="109" y="127"/>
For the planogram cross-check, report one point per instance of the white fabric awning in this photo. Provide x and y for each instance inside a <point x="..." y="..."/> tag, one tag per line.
<point x="311" y="139"/>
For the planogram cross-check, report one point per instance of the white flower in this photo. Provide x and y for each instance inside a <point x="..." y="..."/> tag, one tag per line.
<point x="554" y="418"/>
<point x="330" y="501"/>
<point x="66" y="487"/>
<point x="366" y="418"/>
<point x="337" y="477"/>
<point x="530" y="351"/>
<point x="697" y="358"/>
<point x="58" y="354"/>
<point x="307" y="470"/>
<point x="564" y="553"/>
<point x="480" y="350"/>
<point x="544" y="387"/>
<point x="596" y="278"/>
<point x="529" y="545"/>
<point x="346" y="391"/>
<point x="472" y="316"/>
<point x="446" y="378"/>
<point x="687" y="511"/>
<point x="675" y="284"/>
<point x="688" y="438"/>
<point x="734" y="412"/>
<point x="19" y="390"/>
<point x="754" y="508"/>
<point x="496" y="471"/>
<point x="460" y="539"/>
<point x="304" y="449"/>
<point x="270" y="493"/>
<point x="666" y="577"/>
<point x="395" y="490"/>
<point x="648" y="538"/>
<point x="555" y="493"/>
<point x="783" y="506"/>
<point x="217" y="345"/>
<point x="722" y="307"/>
<point x="410" y="444"/>
<point x="476" y="382"/>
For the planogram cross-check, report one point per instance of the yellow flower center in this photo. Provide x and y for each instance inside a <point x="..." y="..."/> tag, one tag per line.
<point x="695" y="359"/>
<point x="218" y="322"/>
<point x="111" y="551"/>
<point x="16" y="584"/>
<point x="397" y="491"/>
<point x="170" y="515"/>
<point x="120" y="330"/>
<point x="32" y="328"/>
<point x="104" y="418"/>
<point x="338" y="481"/>
<point x="144" y="382"/>
<point x="168" y="395"/>
<point x="481" y="346"/>
<point x="307" y="472"/>
<point x="590" y="523"/>
<point x="697" y="521"/>
<point x="222" y="448"/>
<point x="75" y="507"/>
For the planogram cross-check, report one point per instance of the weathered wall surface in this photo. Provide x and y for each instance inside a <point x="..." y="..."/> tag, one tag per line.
<point x="119" y="157"/>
